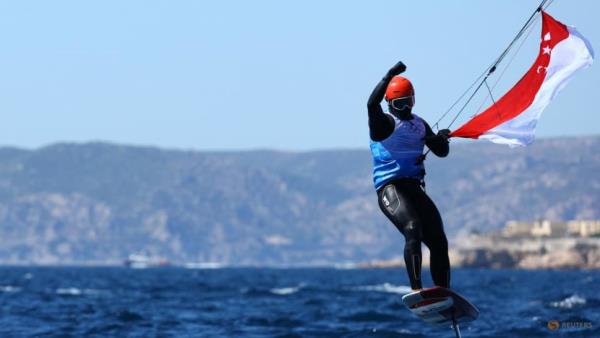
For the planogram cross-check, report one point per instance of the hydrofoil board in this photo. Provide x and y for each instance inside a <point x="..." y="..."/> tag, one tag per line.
<point x="438" y="305"/>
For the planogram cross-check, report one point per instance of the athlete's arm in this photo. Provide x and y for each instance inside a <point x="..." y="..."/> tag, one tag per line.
<point x="381" y="125"/>
<point x="438" y="143"/>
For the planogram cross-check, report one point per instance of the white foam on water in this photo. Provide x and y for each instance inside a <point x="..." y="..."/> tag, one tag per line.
<point x="569" y="302"/>
<point x="9" y="288"/>
<point x="285" y="291"/>
<point x="77" y="292"/>
<point x="69" y="291"/>
<point x="405" y="331"/>
<point x="386" y="287"/>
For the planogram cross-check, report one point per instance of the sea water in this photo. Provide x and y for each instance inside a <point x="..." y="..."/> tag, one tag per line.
<point x="266" y="302"/>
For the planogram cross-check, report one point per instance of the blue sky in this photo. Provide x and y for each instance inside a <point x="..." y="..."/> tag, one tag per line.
<point x="289" y="75"/>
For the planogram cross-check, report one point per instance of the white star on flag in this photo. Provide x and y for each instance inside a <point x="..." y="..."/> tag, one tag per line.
<point x="547" y="50"/>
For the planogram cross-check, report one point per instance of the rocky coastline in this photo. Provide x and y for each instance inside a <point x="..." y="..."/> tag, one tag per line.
<point x="517" y="253"/>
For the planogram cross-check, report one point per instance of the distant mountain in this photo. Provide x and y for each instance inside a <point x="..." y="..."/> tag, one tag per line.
<point x="97" y="202"/>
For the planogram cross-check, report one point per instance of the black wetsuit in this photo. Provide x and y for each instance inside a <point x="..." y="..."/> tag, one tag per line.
<point x="406" y="204"/>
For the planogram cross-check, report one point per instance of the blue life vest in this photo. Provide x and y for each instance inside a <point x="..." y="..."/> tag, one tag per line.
<point x="397" y="155"/>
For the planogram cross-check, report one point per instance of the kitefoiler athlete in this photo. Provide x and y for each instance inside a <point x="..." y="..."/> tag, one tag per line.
<point x="398" y="138"/>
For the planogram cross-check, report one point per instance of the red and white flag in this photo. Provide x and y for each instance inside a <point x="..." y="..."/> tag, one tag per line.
<point x="513" y="118"/>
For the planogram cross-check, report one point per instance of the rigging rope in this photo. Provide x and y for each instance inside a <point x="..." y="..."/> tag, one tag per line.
<point x="486" y="74"/>
<point x="529" y="30"/>
<point x="507" y="66"/>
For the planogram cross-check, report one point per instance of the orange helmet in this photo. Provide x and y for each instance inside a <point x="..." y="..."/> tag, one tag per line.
<point x="399" y="87"/>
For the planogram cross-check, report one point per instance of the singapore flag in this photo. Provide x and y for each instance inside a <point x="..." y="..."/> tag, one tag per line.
<point x="513" y="118"/>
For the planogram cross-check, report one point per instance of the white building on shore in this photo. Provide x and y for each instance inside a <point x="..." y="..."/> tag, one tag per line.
<point x="546" y="228"/>
<point x="584" y="228"/>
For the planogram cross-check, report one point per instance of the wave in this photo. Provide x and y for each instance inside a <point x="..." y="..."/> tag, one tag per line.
<point x="69" y="291"/>
<point x="569" y="302"/>
<point x="9" y="288"/>
<point x="77" y="292"/>
<point x="285" y="291"/>
<point x="385" y="287"/>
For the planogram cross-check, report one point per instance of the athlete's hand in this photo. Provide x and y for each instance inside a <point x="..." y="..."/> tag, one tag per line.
<point x="398" y="68"/>
<point x="444" y="133"/>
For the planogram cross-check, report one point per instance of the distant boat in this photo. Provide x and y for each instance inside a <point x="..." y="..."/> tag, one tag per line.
<point x="139" y="261"/>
